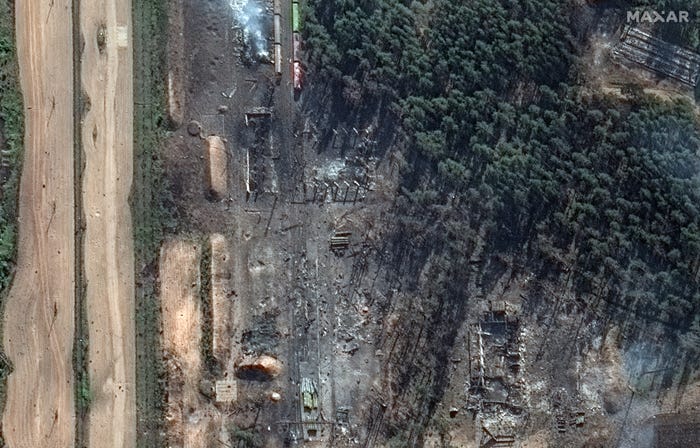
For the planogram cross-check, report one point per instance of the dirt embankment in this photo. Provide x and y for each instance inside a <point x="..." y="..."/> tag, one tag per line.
<point x="39" y="314"/>
<point x="217" y="172"/>
<point x="107" y="138"/>
<point x="176" y="63"/>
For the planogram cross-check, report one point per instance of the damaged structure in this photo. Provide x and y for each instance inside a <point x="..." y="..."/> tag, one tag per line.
<point x="491" y="440"/>
<point x="494" y="361"/>
<point x="641" y="48"/>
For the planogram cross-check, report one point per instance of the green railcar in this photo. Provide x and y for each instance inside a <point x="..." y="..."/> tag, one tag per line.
<point x="296" y="20"/>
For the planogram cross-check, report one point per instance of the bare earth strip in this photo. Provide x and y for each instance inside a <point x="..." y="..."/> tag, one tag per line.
<point x="39" y="315"/>
<point x="182" y="335"/>
<point x="107" y="137"/>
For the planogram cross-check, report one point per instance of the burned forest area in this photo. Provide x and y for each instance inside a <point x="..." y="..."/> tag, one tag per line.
<point x="426" y="223"/>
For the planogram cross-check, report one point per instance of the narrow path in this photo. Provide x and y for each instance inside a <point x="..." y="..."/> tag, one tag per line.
<point x="39" y="314"/>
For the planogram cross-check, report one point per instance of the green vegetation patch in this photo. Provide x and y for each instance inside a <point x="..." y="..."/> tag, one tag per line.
<point x="11" y="153"/>
<point x="205" y="295"/>
<point x="12" y="129"/>
<point x="150" y="212"/>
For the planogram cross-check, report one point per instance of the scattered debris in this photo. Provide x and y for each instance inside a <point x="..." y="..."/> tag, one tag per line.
<point x="340" y="240"/>
<point x="257" y="112"/>
<point x="230" y="93"/>
<point x="247" y="173"/>
<point x="342" y="415"/>
<point x="494" y="361"/>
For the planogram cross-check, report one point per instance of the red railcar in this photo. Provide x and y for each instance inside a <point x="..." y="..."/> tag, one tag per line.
<point x="297" y="75"/>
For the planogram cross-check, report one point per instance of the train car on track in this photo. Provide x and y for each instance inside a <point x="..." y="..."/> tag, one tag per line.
<point x="296" y="20"/>
<point x="297" y="69"/>
<point x="278" y="37"/>
<point x="296" y="47"/>
<point x="298" y="75"/>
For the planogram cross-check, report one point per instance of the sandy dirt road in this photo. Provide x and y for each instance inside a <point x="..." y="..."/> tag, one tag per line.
<point x="39" y="315"/>
<point x="107" y="139"/>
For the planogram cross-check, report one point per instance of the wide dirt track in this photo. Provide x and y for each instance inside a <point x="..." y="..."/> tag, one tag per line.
<point x="39" y="314"/>
<point x="107" y="139"/>
<point x="40" y="311"/>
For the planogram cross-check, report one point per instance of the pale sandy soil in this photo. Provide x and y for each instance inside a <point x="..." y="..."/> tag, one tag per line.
<point x="217" y="172"/>
<point x="107" y="136"/>
<point x="39" y="314"/>
<point x="182" y="335"/>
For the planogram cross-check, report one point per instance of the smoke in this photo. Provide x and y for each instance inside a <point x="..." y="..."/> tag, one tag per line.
<point x="249" y="15"/>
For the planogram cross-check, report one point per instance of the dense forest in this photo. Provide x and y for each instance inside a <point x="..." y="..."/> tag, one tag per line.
<point x="505" y="143"/>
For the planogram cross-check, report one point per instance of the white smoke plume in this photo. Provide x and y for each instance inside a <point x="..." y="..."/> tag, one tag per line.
<point x="249" y="15"/>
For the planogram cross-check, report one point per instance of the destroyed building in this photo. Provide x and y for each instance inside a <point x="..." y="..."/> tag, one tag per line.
<point x="641" y="48"/>
<point x="494" y="361"/>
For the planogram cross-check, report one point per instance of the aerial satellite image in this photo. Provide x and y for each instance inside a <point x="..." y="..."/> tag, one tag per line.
<point x="350" y="223"/>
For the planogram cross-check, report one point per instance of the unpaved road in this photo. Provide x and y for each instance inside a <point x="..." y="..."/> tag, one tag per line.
<point x="107" y="139"/>
<point x="39" y="315"/>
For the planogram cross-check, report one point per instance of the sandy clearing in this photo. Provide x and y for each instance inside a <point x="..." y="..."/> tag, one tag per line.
<point x="39" y="314"/>
<point x="182" y="335"/>
<point x="107" y="138"/>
